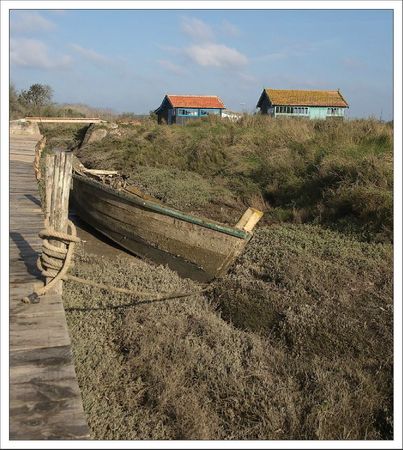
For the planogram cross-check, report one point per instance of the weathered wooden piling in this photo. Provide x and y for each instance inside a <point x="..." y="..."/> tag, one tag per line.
<point x="57" y="191"/>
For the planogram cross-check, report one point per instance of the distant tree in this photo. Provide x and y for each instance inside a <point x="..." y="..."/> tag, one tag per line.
<point x="69" y="112"/>
<point x="16" y="109"/>
<point x="36" y="97"/>
<point x="13" y="99"/>
<point x="127" y="116"/>
<point x="13" y="94"/>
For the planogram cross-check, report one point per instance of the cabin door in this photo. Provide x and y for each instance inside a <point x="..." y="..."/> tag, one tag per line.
<point x="170" y="116"/>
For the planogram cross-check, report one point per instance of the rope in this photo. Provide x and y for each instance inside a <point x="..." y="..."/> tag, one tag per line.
<point x="55" y="262"/>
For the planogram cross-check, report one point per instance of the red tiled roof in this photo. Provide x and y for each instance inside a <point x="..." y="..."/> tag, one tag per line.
<point x="288" y="97"/>
<point x="195" y="101"/>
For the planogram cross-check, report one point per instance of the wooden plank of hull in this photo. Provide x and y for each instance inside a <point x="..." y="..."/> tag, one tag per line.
<point x="136" y="227"/>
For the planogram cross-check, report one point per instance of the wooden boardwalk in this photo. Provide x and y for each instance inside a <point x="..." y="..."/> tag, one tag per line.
<point x="45" y="400"/>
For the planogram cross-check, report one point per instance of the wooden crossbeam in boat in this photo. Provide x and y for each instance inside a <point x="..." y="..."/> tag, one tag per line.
<point x="99" y="172"/>
<point x="249" y="219"/>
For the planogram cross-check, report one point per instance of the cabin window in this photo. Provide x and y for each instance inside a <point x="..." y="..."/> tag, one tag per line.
<point x="187" y="112"/>
<point x="297" y="110"/>
<point x="334" y="112"/>
<point x="207" y="112"/>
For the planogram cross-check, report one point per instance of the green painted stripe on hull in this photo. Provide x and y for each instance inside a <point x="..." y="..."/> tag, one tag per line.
<point x="166" y="210"/>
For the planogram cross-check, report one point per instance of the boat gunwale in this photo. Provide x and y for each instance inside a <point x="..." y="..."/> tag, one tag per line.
<point x="166" y="210"/>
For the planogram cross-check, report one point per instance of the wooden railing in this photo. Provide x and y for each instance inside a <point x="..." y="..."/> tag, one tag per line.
<point x="64" y="119"/>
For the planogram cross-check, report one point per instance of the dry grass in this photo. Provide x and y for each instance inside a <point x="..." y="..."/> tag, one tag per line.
<point x="304" y="352"/>
<point x="337" y="173"/>
<point x="296" y="341"/>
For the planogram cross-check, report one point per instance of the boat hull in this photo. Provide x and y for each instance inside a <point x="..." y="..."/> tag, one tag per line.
<point x="156" y="232"/>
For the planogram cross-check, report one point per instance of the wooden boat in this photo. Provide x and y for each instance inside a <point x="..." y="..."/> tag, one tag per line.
<point x="195" y="247"/>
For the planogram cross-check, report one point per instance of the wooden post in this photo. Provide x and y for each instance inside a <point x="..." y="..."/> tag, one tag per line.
<point x="38" y="154"/>
<point x="57" y="188"/>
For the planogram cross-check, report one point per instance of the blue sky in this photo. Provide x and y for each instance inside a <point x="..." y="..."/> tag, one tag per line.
<point x="127" y="60"/>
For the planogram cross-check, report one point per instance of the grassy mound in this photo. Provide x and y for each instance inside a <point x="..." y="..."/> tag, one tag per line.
<point x="65" y="136"/>
<point x="338" y="173"/>
<point x="294" y="343"/>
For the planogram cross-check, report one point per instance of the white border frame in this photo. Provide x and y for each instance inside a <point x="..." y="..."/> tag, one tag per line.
<point x="395" y="5"/>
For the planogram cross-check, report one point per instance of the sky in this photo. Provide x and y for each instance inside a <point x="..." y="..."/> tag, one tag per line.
<point x="128" y="60"/>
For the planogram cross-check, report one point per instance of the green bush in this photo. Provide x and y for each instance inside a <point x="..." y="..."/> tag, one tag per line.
<point x="178" y="188"/>
<point x="66" y="136"/>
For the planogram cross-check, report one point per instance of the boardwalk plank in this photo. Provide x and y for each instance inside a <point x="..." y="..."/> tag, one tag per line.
<point x="45" y="401"/>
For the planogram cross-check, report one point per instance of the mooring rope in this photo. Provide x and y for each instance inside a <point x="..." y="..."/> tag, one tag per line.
<point x="55" y="262"/>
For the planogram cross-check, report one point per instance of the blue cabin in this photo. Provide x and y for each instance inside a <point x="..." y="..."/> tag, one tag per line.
<point x="302" y="103"/>
<point x="181" y="108"/>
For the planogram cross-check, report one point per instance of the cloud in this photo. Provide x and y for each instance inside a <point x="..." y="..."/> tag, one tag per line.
<point x="216" y="55"/>
<point x="30" y="22"/>
<point x="230" y="29"/>
<point x="197" y="29"/>
<point x="205" y="50"/>
<point x="116" y="63"/>
<point x="91" y="55"/>
<point x="32" y="53"/>
<point x="172" y="67"/>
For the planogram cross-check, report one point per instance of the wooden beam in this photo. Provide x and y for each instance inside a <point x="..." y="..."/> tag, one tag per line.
<point x="99" y="172"/>
<point x="249" y="219"/>
<point x="64" y="119"/>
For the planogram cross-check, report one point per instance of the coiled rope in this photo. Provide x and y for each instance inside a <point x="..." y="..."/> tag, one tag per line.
<point x="54" y="262"/>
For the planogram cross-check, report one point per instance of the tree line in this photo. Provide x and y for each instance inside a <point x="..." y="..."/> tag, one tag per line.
<point x="37" y="101"/>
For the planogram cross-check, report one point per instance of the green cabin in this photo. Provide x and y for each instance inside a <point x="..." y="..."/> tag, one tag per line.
<point x="302" y="103"/>
<point x="179" y="109"/>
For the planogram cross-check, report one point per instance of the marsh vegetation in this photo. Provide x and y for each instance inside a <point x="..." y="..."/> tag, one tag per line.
<point x="296" y="340"/>
<point x="335" y="173"/>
